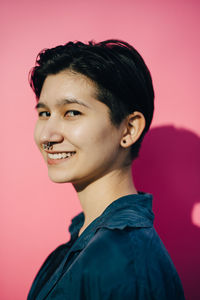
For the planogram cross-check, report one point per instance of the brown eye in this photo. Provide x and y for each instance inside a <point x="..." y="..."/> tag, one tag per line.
<point x="45" y="114"/>
<point x="72" y="113"/>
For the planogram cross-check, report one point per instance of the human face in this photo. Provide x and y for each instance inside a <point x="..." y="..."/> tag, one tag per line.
<point x="70" y="117"/>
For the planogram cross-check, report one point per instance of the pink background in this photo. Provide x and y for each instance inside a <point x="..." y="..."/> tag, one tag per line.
<point x="35" y="212"/>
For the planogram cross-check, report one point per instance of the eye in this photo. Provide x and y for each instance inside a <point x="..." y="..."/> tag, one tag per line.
<point x="44" y="114"/>
<point x="72" y="113"/>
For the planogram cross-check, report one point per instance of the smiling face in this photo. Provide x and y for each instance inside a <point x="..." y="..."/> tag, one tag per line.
<point x="86" y="145"/>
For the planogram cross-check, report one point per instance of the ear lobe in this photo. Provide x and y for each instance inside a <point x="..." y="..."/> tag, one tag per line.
<point x="134" y="127"/>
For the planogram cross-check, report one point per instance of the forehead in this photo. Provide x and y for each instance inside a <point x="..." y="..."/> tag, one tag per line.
<point x="68" y="84"/>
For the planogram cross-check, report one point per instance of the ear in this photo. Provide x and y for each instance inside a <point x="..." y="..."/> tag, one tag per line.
<point x="134" y="126"/>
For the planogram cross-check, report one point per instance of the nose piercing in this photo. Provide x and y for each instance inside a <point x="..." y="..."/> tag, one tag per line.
<point x="48" y="146"/>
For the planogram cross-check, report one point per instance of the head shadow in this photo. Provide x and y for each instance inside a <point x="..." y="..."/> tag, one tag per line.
<point x="169" y="167"/>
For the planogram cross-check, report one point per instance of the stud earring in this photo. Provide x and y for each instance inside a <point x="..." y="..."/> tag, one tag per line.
<point x="124" y="141"/>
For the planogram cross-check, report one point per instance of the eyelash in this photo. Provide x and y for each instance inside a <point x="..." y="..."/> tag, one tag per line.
<point x="46" y="112"/>
<point x="72" y="110"/>
<point x="40" y="114"/>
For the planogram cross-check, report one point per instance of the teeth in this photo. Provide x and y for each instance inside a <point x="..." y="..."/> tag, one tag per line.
<point x="60" y="155"/>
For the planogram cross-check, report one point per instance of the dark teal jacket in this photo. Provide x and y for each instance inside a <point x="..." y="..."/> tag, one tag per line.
<point x="119" y="256"/>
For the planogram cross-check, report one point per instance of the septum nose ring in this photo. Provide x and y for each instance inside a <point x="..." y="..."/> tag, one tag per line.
<point x="48" y="146"/>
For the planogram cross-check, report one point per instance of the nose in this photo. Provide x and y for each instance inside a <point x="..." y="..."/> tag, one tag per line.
<point x="51" y="132"/>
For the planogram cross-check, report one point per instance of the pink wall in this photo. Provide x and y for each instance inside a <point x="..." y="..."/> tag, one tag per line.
<point x="35" y="212"/>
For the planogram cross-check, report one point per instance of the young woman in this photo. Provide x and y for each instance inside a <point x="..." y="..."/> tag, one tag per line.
<point x="95" y="103"/>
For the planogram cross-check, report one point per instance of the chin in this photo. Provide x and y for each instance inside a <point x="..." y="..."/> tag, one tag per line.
<point x="58" y="178"/>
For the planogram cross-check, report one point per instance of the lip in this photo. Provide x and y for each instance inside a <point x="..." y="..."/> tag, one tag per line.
<point x="58" y="151"/>
<point x="51" y="161"/>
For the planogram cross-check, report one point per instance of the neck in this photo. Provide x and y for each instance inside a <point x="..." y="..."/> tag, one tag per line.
<point x="99" y="194"/>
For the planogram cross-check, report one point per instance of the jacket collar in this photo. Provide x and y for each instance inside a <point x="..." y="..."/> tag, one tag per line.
<point x="133" y="210"/>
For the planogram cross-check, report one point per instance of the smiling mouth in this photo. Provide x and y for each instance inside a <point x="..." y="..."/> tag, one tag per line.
<point x="60" y="155"/>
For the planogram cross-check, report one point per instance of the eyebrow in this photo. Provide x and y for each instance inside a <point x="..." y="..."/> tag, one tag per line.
<point x="62" y="103"/>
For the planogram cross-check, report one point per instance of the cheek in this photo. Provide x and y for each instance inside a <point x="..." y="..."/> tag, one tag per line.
<point x="86" y="134"/>
<point x="93" y="138"/>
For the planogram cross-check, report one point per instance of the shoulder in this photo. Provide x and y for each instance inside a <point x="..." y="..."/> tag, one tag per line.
<point x="129" y="243"/>
<point x="119" y="251"/>
<point x="131" y="260"/>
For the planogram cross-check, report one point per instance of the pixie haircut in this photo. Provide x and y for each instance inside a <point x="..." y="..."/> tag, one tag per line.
<point x="119" y="72"/>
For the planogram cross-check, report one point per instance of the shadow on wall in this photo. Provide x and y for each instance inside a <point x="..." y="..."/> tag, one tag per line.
<point x="169" y="168"/>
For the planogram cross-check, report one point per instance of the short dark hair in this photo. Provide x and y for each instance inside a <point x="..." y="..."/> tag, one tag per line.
<point x="122" y="78"/>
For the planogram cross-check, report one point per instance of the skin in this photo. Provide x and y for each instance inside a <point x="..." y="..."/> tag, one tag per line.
<point x="100" y="169"/>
